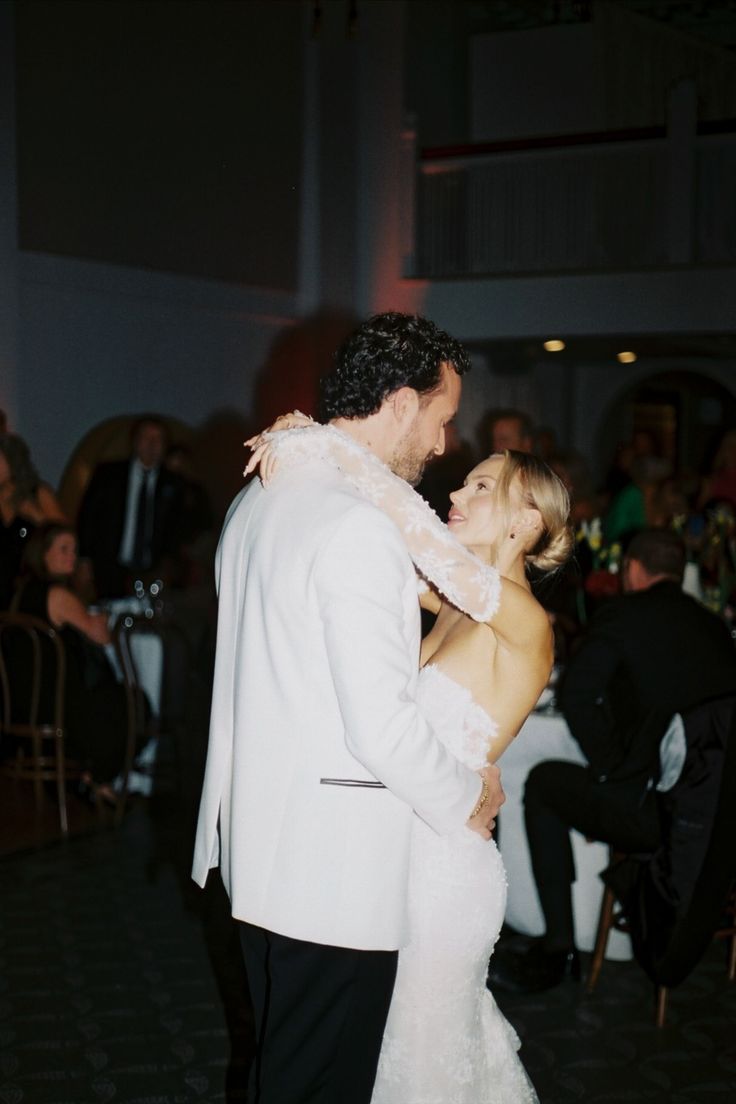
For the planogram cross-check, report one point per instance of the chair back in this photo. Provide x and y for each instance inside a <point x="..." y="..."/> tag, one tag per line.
<point x="674" y="898"/>
<point x="32" y="680"/>
<point x="701" y="832"/>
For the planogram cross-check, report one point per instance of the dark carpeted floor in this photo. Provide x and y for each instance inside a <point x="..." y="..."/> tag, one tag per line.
<point x="119" y="982"/>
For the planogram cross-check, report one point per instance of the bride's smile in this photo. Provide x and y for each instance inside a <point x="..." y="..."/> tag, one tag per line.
<point x="474" y="515"/>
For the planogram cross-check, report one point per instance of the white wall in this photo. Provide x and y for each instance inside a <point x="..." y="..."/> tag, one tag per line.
<point x="681" y="300"/>
<point x="94" y="340"/>
<point x="98" y="340"/>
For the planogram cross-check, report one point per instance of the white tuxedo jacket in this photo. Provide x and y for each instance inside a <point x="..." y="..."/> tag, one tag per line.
<point x="314" y="713"/>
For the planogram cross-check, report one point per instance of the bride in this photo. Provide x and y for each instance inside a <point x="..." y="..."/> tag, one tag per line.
<point x="484" y="664"/>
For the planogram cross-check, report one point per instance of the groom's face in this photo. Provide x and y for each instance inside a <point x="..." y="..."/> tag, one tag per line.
<point x="425" y="436"/>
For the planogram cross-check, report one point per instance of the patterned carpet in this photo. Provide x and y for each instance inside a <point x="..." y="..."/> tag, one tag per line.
<point x="605" y="1047"/>
<point x="119" y="982"/>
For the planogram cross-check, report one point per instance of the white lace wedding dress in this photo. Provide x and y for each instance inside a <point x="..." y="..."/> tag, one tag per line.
<point x="446" y="1042"/>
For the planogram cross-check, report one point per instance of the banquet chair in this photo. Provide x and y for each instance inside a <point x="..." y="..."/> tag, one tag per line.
<point x="174" y="651"/>
<point x="682" y="895"/>
<point x="612" y="917"/>
<point x="35" y="725"/>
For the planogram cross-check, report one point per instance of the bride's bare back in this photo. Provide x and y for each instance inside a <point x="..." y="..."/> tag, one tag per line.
<point x="504" y="666"/>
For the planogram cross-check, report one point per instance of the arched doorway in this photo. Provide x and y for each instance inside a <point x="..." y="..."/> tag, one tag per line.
<point x="685" y="411"/>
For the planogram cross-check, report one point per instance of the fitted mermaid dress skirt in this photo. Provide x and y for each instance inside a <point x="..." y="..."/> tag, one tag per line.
<point x="446" y="1041"/>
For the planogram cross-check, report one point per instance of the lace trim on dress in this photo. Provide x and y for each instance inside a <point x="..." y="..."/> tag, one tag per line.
<point x="466" y="582"/>
<point x="477" y="729"/>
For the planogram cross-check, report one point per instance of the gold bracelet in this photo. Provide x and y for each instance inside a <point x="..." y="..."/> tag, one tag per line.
<point x="485" y="793"/>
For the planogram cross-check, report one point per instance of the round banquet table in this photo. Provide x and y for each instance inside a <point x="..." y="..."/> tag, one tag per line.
<point x="545" y="735"/>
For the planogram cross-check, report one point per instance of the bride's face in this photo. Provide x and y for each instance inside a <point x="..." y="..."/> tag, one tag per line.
<point x="476" y="517"/>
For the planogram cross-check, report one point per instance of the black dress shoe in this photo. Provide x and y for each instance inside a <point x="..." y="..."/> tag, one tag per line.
<point x="534" y="971"/>
<point x="511" y="941"/>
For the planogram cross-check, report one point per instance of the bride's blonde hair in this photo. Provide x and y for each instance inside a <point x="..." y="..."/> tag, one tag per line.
<point x="544" y="491"/>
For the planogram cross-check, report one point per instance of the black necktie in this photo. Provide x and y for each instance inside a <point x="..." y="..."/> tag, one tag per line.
<point x="142" y="539"/>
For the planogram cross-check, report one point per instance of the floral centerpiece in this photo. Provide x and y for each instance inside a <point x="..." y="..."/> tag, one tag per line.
<point x="717" y="560"/>
<point x="711" y="546"/>
<point x="602" y="580"/>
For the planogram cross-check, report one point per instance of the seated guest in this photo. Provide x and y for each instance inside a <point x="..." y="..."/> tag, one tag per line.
<point x="647" y="655"/>
<point x="95" y="705"/>
<point x="507" y="429"/>
<point x="129" y="519"/>
<point x="670" y="503"/>
<point x="720" y="484"/>
<point x="573" y="470"/>
<point x="642" y="443"/>
<point x="25" y="502"/>
<point x="545" y="440"/>
<point x="633" y="507"/>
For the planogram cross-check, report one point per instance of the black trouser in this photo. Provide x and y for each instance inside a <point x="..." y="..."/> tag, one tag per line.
<point x="559" y="796"/>
<point x="320" y="1013"/>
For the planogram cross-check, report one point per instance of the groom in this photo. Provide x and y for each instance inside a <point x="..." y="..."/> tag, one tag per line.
<point x="318" y="756"/>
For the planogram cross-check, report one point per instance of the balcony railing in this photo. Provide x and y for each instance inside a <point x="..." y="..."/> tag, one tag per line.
<point x="630" y="200"/>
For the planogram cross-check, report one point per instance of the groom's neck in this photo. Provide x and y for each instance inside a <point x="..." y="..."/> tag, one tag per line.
<point x="374" y="433"/>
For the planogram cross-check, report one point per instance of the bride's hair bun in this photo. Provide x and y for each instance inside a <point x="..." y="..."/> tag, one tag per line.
<point x="554" y="551"/>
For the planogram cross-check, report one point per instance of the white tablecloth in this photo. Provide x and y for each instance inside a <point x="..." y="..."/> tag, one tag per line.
<point x="146" y="649"/>
<point x="545" y="736"/>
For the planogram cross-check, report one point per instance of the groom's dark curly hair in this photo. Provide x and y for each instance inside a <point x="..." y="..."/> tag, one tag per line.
<point x="385" y="353"/>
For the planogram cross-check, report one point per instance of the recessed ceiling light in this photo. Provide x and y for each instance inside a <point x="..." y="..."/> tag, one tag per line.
<point x="554" y="345"/>
<point x="627" y="357"/>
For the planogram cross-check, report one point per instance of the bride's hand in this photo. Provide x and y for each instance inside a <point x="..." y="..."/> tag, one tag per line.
<point x="260" y="445"/>
<point x="483" y="817"/>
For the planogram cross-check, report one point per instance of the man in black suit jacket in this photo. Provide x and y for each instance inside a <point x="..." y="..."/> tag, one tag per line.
<point x="647" y="655"/>
<point x="129" y="519"/>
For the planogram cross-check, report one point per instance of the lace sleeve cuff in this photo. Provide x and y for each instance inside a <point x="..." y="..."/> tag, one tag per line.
<point x="461" y="577"/>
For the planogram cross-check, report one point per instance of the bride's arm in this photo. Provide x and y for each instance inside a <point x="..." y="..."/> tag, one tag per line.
<point x="429" y="599"/>
<point x="520" y="621"/>
<point x="468" y="583"/>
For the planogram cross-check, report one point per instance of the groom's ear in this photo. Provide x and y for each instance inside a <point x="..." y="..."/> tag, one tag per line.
<point x="404" y="404"/>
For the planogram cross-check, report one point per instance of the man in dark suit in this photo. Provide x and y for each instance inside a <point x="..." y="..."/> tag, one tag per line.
<point x="130" y="515"/>
<point x="649" y="654"/>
